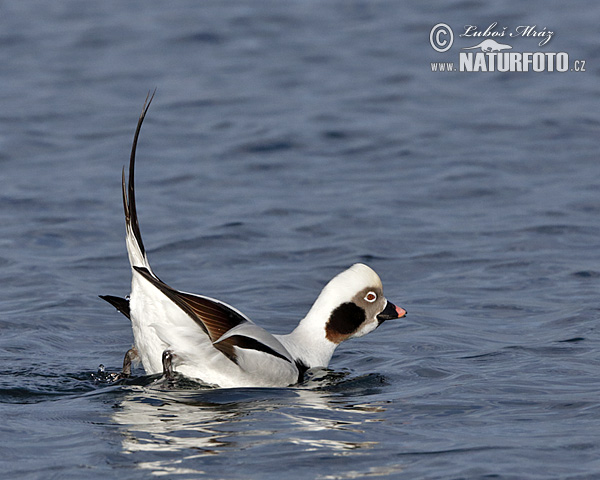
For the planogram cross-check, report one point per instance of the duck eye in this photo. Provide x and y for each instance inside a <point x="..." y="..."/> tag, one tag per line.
<point x="371" y="297"/>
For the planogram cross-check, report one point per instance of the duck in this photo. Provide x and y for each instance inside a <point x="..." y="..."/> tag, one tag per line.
<point x="207" y="340"/>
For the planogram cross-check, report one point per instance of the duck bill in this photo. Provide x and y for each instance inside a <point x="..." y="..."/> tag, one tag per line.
<point x="391" y="312"/>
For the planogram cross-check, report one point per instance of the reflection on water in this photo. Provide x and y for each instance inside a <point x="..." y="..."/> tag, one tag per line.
<point x="174" y="430"/>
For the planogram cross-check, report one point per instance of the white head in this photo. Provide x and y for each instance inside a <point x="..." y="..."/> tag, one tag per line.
<point x="355" y="304"/>
<point x="351" y="305"/>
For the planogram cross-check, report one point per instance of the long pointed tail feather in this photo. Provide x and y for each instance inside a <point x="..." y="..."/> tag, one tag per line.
<point x="135" y="245"/>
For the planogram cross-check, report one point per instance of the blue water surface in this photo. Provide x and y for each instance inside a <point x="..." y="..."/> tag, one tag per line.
<point x="288" y="140"/>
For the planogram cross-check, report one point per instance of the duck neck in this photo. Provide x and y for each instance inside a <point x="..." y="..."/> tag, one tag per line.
<point x="308" y="344"/>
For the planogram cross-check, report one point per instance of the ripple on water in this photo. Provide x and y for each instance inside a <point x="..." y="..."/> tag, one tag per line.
<point x="31" y="385"/>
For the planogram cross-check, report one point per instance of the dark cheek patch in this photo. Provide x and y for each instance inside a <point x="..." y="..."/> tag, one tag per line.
<point x="344" y="321"/>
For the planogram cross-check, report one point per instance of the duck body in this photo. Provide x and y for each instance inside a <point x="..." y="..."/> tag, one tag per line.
<point x="217" y="344"/>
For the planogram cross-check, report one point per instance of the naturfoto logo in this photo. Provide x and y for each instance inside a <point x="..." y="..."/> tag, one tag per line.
<point x="492" y="55"/>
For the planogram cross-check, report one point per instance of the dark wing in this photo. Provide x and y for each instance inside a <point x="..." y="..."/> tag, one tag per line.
<point x="214" y="317"/>
<point x="242" y="341"/>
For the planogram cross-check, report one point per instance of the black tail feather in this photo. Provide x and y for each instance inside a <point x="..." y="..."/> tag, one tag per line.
<point x="129" y="189"/>
<point x="121" y="304"/>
